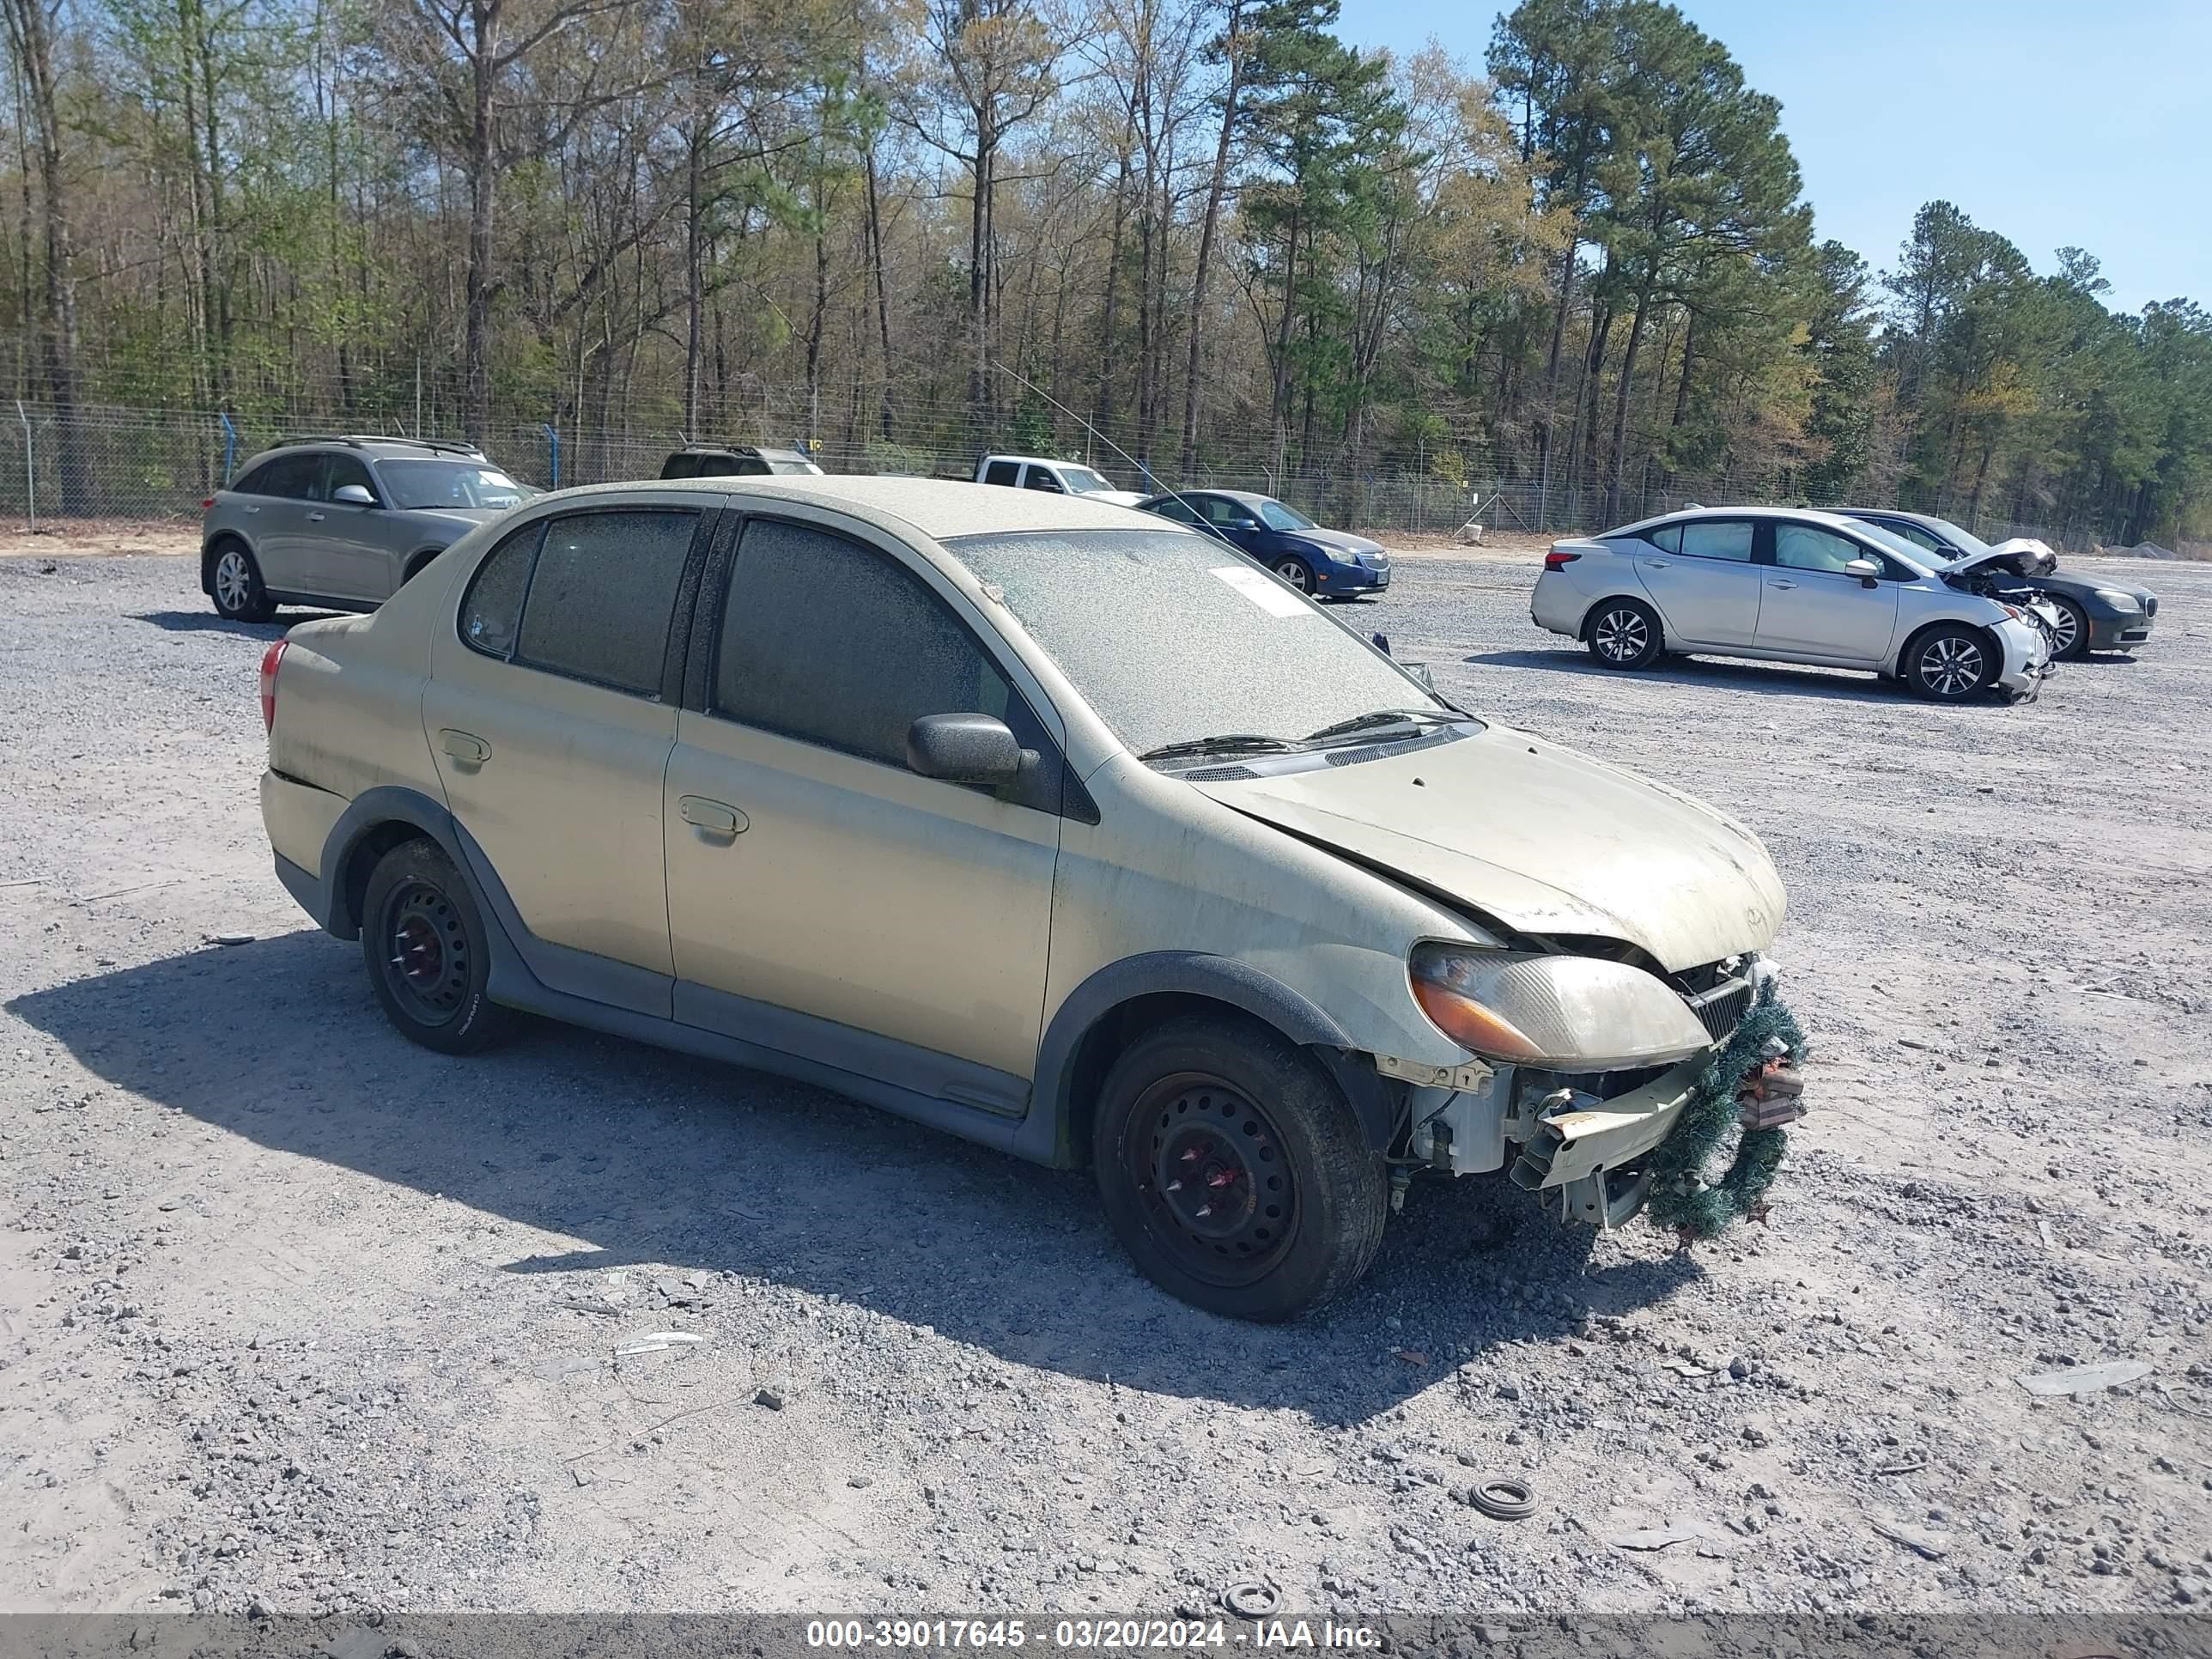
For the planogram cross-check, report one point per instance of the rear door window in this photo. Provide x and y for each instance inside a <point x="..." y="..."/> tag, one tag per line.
<point x="602" y="594"/>
<point x="1668" y="537"/>
<point x="1002" y="473"/>
<point x="491" y="612"/>
<point x="592" y="595"/>
<point x="294" y="477"/>
<point x="1174" y="508"/>
<point x="1718" y="538"/>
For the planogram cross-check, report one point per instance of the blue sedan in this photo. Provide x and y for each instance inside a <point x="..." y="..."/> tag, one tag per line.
<point x="1326" y="564"/>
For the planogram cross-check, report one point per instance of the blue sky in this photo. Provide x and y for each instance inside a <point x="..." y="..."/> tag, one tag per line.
<point x="2056" y="123"/>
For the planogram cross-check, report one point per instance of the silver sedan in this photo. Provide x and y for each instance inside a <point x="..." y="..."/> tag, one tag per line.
<point x="1785" y="585"/>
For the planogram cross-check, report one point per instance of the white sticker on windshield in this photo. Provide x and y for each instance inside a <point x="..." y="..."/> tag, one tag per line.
<point x="1275" y="600"/>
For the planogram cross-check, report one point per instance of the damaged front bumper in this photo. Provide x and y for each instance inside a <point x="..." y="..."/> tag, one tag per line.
<point x="1587" y="1138"/>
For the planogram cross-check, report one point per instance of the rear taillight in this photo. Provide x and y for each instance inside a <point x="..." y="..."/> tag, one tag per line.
<point x="269" y="658"/>
<point x="208" y="503"/>
<point x="1556" y="560"/>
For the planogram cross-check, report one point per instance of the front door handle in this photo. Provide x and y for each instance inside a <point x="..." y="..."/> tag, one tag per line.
<point x="314" y="518"/>
<point x="1655" y="564"/>
<point x="713" y="817"/>
<point x="462" y="746"/>
<point x="1782" y="584"/>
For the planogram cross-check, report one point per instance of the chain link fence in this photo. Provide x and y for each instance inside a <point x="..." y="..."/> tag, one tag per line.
<point x="92" y="466"/>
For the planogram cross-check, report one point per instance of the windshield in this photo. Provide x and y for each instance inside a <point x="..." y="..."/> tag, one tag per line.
<point x="1171" y="637"/>
<point x="1969" y="544"/>
<point x="435" y="484"/>
<point x="1083" y="481"/>
<point x="1279" y="517"/>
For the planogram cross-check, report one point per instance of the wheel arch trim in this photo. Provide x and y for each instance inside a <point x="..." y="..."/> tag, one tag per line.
<point x="1068" y="1069"/>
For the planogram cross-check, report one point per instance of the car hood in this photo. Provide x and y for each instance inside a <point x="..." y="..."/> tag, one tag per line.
<point x="1541" y="839"/>
<point x="461" y="518"/>
<point x="1340" y="543"/>
<point x="2023" y="556"/>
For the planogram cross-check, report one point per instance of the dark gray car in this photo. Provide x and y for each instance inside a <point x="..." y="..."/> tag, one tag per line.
<point x="340" y="522"/>
<point x="2090" y="615"/>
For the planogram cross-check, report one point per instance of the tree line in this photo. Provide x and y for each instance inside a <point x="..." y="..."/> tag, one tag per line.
<point x="907" y="229"/>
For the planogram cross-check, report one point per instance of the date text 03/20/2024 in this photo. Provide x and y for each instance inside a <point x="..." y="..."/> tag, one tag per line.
<point x="1165" y="1635"/>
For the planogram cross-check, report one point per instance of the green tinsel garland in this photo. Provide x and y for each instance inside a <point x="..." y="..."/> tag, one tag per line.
<point x="1682" y="1199"/>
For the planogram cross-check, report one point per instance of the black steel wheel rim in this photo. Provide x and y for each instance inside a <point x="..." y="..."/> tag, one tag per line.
<point x="1214" y="1178"/>
<point x="426" y="952"/>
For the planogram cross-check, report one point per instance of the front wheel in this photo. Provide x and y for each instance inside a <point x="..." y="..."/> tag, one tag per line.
<point x="1295" y="571"/>
<point x="1951" y="663"/>
<point x="427" y="955"/>
<point x="1233" y="1170"/>
<point x="240" y="594"/>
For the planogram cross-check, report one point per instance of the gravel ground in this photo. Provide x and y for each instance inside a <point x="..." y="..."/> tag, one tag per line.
<point x="293" y="1312"/>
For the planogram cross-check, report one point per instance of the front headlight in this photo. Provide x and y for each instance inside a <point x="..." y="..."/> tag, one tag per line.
<point x="1577" y="1013"/>
<point x="2118" y="600"/>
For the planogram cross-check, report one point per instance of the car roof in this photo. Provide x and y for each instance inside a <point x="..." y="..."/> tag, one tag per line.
<point x="373" y="448"/>
<point x="938" y="507"/>
<point x="1249" y="497"/>
<point x="1834" y="516"/>
<point x="1889" y="513"/>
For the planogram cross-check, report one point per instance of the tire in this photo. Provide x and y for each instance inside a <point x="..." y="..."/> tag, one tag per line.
<point x="1296" y="572"/>
<point x="234" y="583"/>
<point x="415" y="566"/>
<point x="427" y="955"/>
<point x="1950" y="663"/>
<point x="1623" y="633"/>
<point x="1259" y="1122"/>
<point x="2071" y="640"/>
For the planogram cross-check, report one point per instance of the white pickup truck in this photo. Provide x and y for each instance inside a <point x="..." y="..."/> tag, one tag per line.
<point x="1053" y="477"/>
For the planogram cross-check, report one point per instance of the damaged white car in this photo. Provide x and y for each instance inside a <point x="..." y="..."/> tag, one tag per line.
<point x="1038" y="821"/>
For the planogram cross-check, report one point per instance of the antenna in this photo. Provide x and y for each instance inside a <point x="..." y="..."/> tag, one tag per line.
<point x="1158" y="487"/>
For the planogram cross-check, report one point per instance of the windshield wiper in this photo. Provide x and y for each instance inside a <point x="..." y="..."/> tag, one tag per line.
<point x="1221" y="743"/>
<point x="1385" y="717"/>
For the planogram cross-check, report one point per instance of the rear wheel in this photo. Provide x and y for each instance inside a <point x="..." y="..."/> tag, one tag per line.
<point x="1234" y="1172"/>
<point x="1623" y="633"/>
<point x="2070" y="633"/>
<point x="427" y="952"/>
<point x="1950" y="663"/>
<point x="235" y="581"/>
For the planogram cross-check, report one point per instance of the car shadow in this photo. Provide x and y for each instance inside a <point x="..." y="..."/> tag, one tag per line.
<point x="633" y="1155"/>
<point x="207" y="622"/>
<point x="1836" y="684"/>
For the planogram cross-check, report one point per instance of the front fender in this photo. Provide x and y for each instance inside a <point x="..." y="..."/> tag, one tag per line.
<point x="1050" y="1133"/>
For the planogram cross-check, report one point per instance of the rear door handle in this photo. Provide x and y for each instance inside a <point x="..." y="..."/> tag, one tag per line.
<point x="1782" y="584"/>
<point x="464" y="747"/>
<point x="1655" y="564"/>
<point x="314" y="518"/>
<point x="713" y="817"/>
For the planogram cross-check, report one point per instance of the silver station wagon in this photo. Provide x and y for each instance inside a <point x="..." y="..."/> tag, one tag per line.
<point x="342" y="523"/>
<point x="1045" y="822"/>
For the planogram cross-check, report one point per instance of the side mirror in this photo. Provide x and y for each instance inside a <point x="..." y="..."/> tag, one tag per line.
<point x="354" y="496"/>
<point x="966" y="749"/>
<point x="1865" y="569"/>
<point x="1244" y="524"/>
